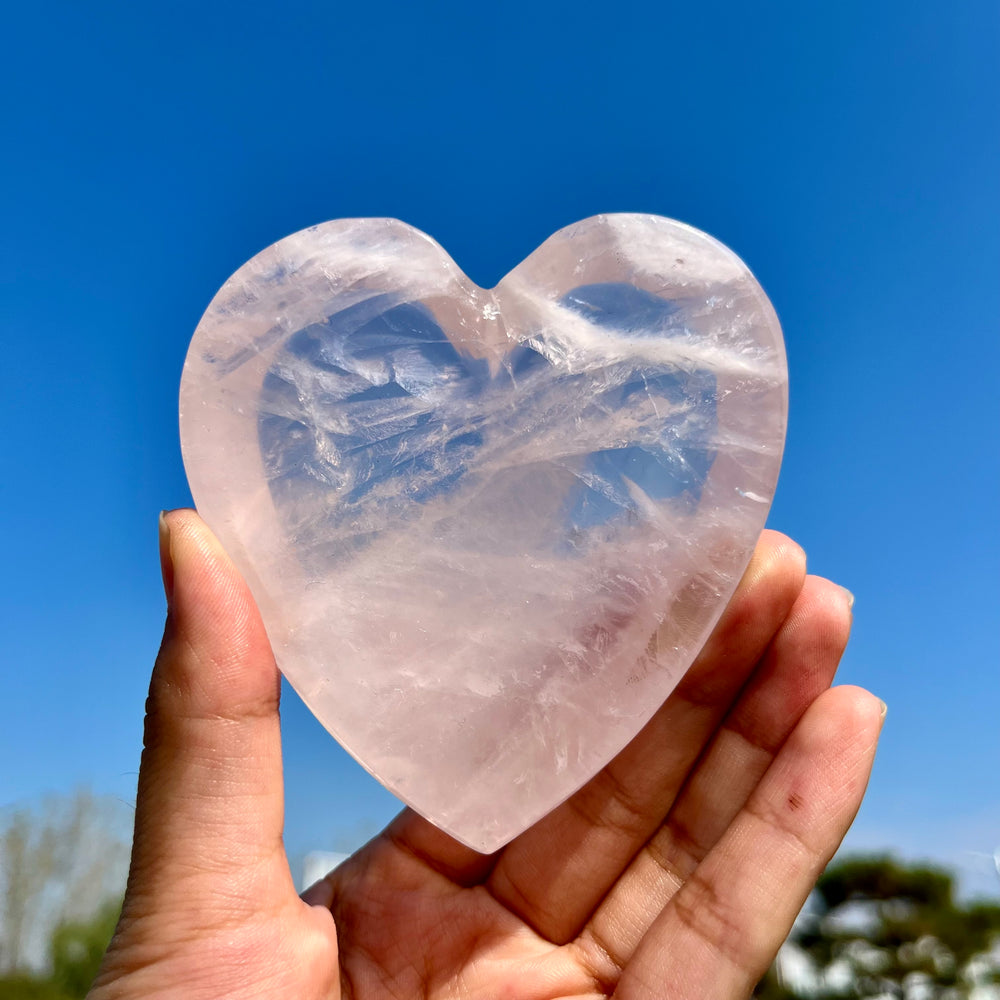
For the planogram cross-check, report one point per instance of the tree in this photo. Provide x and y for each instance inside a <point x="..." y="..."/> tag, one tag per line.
<point x="75" y="953"/>
<point x="24" y="986"/>
<point x="876" y="928"/>
<point x="78" y="947"/>
<point x="58" y="860"/>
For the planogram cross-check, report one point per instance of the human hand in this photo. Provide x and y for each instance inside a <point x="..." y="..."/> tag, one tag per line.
<point x="675" y="873"/>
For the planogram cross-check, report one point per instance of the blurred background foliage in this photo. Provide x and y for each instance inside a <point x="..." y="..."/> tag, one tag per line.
<point x="876" y="927"/>
<point x="63" y="863"/>
<point x="75" y="953"/>
<point x="882" y="929"/>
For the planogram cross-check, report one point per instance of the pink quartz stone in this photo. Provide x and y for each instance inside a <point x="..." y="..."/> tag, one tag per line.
<point x="488" y="530"/>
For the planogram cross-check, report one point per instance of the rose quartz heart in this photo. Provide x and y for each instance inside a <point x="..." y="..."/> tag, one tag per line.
<point x="488" y="530"/>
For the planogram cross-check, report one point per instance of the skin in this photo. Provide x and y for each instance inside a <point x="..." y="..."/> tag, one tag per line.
<point x="675" y="873"/>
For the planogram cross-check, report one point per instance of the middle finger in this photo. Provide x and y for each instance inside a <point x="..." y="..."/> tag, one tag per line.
<point x="555" y="874"/>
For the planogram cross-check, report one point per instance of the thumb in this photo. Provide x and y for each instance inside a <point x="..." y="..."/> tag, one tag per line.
<point x="209" y="810"/>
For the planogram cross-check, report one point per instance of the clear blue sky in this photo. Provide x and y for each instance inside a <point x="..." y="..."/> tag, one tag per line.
<point x="849" y="152"/>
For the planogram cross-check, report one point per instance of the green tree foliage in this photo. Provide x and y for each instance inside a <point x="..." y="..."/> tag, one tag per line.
<point x="880" y="928"/>
<point x="58" y="858"/>
<point x="76" y="949"/>
<point x="27" y="987"/>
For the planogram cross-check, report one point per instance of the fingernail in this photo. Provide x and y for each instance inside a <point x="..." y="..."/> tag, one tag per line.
<point x="850" y="598"/>
<point x="882" y="712"/>
<point x="166" y="562"/>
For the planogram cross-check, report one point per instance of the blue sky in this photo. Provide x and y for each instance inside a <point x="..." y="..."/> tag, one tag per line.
<point x="848" y="152"/>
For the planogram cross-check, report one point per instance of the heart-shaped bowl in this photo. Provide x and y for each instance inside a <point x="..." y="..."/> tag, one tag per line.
<point x="488" y="530"/>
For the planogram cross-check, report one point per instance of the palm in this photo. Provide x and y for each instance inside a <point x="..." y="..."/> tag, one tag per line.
<point x="439" y="940"/>
<point x="572" y="903"/>
<point x="675" y="872"/>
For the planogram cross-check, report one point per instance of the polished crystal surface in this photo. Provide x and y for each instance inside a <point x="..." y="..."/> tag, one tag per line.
<point x="488" y="530"/>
